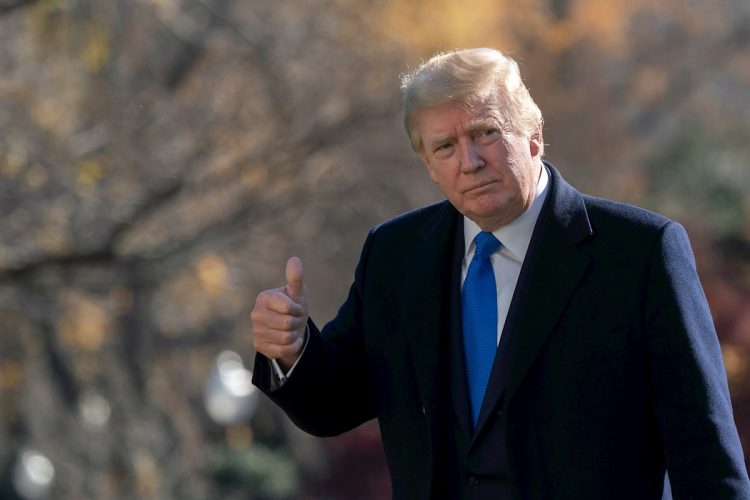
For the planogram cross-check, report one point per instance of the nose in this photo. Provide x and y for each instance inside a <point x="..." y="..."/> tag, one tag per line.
<point x="471" y="158"/>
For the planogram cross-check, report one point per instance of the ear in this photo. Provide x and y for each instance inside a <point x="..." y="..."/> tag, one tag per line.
<point x="535" y="143"/>
<point x="426" y="161"/>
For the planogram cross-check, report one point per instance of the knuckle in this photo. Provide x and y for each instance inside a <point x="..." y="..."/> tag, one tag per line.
<point x="288" y="323"/>
<point x="287" y="338"/>
<point x="258" y="338"/>
<point x="285" y="305"/>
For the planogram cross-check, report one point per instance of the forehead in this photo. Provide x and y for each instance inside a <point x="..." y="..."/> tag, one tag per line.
<point x="455" y="118"/>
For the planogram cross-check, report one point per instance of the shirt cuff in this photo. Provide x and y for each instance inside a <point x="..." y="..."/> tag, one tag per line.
<point x="280" y="377"/>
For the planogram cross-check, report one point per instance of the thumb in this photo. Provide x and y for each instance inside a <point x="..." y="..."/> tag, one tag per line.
<point x="294" y="275"/>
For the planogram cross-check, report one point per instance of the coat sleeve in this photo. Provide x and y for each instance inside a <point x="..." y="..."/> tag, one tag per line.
<point x="329" y="391"/>
<point x="702" y="449"/>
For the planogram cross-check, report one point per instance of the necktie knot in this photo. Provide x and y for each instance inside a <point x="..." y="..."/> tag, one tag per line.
<point x="486" y="244"/>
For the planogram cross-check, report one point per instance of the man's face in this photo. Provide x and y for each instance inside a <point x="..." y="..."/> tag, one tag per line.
<point x="488" y="175"/>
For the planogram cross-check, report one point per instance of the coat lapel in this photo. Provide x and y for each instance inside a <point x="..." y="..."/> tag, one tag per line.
<point x="550" y="274"/>
<point x="456" y="363"/>
<point x="427" y="278"/>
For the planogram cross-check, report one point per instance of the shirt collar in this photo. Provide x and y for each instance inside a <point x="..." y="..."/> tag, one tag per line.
<point x="516" y="236"/>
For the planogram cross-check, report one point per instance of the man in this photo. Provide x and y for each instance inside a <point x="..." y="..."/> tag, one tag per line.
<point x="520" y="339"/>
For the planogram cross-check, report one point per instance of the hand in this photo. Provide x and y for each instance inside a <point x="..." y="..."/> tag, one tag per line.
<point x="280" y="318"/>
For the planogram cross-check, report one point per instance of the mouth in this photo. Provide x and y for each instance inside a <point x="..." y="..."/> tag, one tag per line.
<point x="478" y="187"/>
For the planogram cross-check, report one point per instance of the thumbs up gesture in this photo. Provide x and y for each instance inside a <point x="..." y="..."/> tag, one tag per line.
<point x="279" y="318"/>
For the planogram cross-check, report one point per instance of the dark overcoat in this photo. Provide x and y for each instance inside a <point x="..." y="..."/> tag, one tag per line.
<point x="612" y="372"/>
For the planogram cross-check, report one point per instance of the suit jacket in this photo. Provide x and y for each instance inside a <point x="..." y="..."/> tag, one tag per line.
<point x="609" y="370"/>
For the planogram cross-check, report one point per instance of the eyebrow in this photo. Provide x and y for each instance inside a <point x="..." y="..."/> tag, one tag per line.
<point x="440" y="140"/>
<point x="483" y="124"/>
<point x="473" y="127"/>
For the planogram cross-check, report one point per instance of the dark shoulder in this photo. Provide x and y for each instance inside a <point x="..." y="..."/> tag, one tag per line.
<point x="608" y="215"/>
<point x="410" y="224"/>
<point x="391" y="243"/>
<point x="624" y="238"/>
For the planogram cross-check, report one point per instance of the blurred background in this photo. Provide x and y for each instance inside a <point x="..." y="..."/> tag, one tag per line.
<point x="160" y="160"/>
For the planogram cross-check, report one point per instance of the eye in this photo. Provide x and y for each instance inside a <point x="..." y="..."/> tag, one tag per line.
<point x="488" y="135"/>
<point x="444" y="149"/>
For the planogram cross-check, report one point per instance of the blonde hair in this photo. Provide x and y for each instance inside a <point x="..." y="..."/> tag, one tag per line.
<point x="471" y="76"/>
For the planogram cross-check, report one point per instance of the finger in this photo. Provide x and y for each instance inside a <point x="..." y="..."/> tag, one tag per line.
<point x="276" y="321"/>
<point x="271" y="336"/>
<point x="267" y="337"/>
<point x="277" y="301"/>
<point x="294" y="279"/>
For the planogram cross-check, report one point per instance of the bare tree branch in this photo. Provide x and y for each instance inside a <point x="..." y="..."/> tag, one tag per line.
<point x="6" y="7"/>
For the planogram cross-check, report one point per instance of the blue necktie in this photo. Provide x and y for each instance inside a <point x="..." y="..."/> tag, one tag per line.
<point x="479" y="319"/>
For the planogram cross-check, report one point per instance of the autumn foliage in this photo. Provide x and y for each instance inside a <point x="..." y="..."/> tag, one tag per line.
<point x="160" y="159"/>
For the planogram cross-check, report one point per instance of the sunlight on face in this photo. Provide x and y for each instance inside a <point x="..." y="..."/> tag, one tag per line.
<point x="488" y="173"/>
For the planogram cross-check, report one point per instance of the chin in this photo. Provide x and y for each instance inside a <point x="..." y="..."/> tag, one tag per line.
<point x="490" y="210"/>
<point x="495" y="216"/>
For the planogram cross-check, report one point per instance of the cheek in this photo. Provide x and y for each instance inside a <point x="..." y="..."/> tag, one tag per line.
<point x="430" y="170"/>
<point x="520" y="169"/>
<point x="434" y="176"/>
<point x="443" y="174"/>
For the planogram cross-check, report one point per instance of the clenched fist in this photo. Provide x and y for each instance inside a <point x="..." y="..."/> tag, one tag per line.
<point x="280" y="316"/>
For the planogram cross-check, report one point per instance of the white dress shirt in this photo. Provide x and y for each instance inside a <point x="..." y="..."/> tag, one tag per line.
<point x="508" y="259"/>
